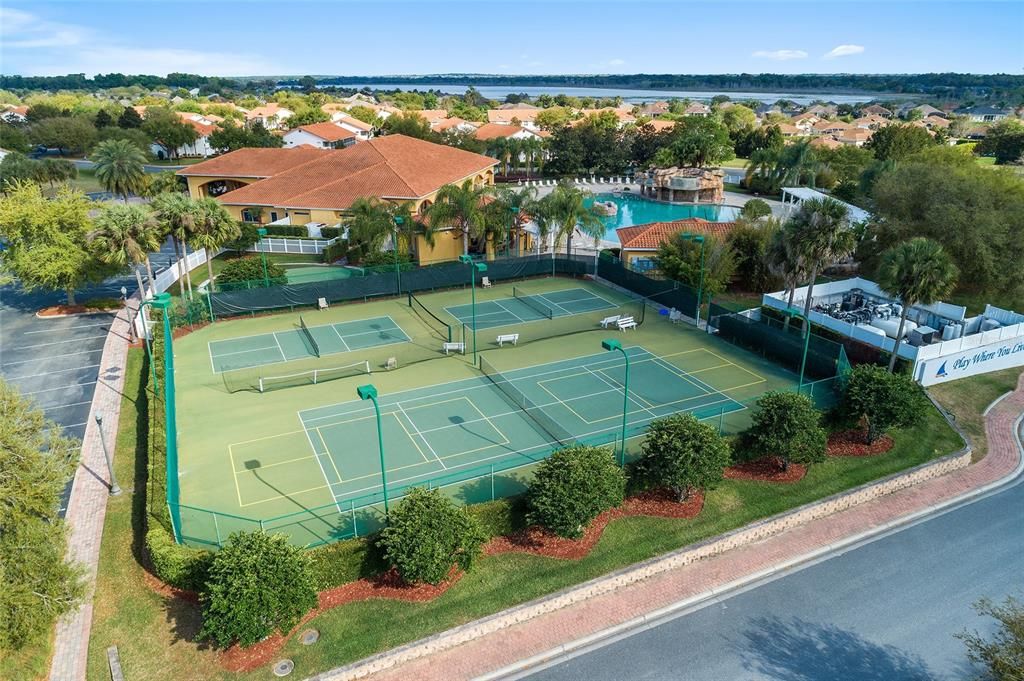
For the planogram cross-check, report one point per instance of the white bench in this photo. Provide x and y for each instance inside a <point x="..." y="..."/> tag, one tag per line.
<point x="454" y="347"/>
<point x="512" y="338"/>
<point x="626" y="323"/>
<point x="608" y="321"/>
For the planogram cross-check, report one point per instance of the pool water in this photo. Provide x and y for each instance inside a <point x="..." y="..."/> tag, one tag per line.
<point x="634" y="210"/>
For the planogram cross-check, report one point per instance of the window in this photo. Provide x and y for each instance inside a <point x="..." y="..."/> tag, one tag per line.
<point x="644" y="264"/>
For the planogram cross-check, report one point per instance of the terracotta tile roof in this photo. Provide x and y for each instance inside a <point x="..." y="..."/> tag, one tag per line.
<point x="331" y="132"/>
<point x="20" y="110"/>
<point x="268" y="110"/>
<point x="355" y="123"/>
<point x="490" y="131"/>
<point x="391" y="167"/>
<point x="431" y="115"/>
<point x="660" y="125"/>
<point x="826" y="142"/>
<point x="449" y="123"/>
<point x="653" y="234"/>
<point x="505" y="116"/>
<point x="254" y="162"/>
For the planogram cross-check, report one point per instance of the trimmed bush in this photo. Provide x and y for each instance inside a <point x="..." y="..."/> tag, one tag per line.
<point x="755" y="208"/>
<point x="427" y="534"/>
<point x="787" y="425"/>
<point x="250" y="268"/>
<point x="330" y="232"/>
<point x="247" y="236"/>
<point x="499" y="517"/>
<point x="344" y="561"/>
<point x="334" y="252"/>
<point x="257" y="584"/>
<point x="683" y="454"/>
<point x="287" y="230"/>
<point x="882" y="400"/>
<point x="179" y="566"/>
<point x="572" y="487"/>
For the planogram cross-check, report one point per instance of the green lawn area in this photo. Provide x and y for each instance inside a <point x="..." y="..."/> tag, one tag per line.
<point x="155" y="634"/>
<point x="985" y="160"/>
<point x="85" y="182"/>
<point x="735" y="163"/>
<point x="199" y="274"/>
<point x="975" y="301"/>
<point x="968" y="398"/>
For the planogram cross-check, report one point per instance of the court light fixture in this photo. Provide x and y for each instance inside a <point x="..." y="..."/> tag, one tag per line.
<point x="369" y="392"/>
<point x="613" y="345"/>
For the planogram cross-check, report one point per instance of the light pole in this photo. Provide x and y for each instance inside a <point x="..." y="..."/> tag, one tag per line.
<point x="263" y="253"/>
<point x="700" y="287"/>
<point x="369" y="392"/>
<point x="807" y="342"/>
<point x="114" y="488"/>
<point x="611" y="345"/>
<point x="128" y="311"/>
<point x="398" y="270"/>
<point x="474" y="267"/>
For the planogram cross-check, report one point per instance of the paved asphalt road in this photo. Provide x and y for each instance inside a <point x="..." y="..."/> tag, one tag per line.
<point x="885" y="611"/>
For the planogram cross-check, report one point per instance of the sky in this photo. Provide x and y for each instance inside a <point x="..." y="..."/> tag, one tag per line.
<point x="237" y="38"/>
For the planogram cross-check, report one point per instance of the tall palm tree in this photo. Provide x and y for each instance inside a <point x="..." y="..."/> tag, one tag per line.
<point x="213" y="228"/>
<point x="918" y="272"/>
<point x="786" y="262"/>
<point x="126" y="235"/>
<point x="460" y="208"/>
<point x="177" y="215"/>
<point x="531" y="147"/>
<point x="789" y="165"/>
<point x="821" y="232"/>
<point x="373" y="223"/>
<point x="119" y="167"/>
<point x="563" y="211"/>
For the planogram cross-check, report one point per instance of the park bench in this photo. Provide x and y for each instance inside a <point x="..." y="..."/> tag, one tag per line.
<point x="512" y="338"/>
<point x="626" y="323"/>
<point x="608" y="321"/>
<point x="453" y="347"/>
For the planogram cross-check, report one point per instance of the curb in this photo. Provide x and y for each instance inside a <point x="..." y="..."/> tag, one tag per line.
<point x="111" y="311"/>
<point x="654" y="618"/>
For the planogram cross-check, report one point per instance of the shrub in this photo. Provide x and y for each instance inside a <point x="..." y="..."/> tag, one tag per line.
<point x="882" y="400"/>
<point x="427" y="534"/>
<point x="343" y="562"/>
<point x="287" y="230"/>
<point x="257" y="583"/>
<point x="499" y="517"/>
<point x="330" y="232"/>
<point x="179" y="566"/>
<point x="787" y="425"/>
<point x="383" y="258"/>
<point x="683" y="454"/>
<point x="755" y="208"/>
<point x="1001" y="655"/>
<point x="250" y="268"/>
<point x="335" y="252"/>
<point x="247" y="236"/>
<point x="572" y="487"/>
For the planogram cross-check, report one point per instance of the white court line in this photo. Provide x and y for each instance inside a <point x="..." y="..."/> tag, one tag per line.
<point x="632" y="398"/>
<point x="418" y="432"/>
<point x="341" y="338"/>
<point x="242" y="352"/>
<point x="316" y="455"/>
<point x="43" y="345"/>
<point x="36" y="359"/>
<point x="551" y="302"/>
<point x="511" y="312"/>
<point x="67" y="328"/>
<point x="284" y="357"/>
<point x="267" y="333"/>
<point x="59" y="387"/>
<point x="58" y="371"/>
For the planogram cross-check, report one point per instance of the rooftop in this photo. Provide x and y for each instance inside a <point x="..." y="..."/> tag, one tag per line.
<point x="330" y="132"/>
<point x="653" y="234"/>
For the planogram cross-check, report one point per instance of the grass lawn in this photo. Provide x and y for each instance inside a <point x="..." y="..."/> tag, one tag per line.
<point x="85" y="182"/>
<point x="975" y="302"/>
<point x="735" y="163"/>
<point x="156" y="636"/>
<point x="967" y="398"/>
<point x="985" y="160"/>
<point x="199" y="274"/>
<point x="175" y="162"/>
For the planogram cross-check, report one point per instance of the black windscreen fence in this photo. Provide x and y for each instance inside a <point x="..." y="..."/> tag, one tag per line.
<point x="664" y="292"/>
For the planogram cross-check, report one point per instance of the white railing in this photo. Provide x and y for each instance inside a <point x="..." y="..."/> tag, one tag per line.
<point x="276" y="244"/>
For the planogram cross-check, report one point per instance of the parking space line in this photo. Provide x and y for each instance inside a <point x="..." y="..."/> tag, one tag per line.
<point x="57" y="371"/>
<point x="59" y="387"/>
<point x="67" y="328"/>
<point x="36" y="359"/>
<point x="43" y="345"/>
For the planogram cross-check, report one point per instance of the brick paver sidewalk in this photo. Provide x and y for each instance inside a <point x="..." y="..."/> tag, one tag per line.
<point x="88" y="504"/>
<point x="545" y="632"/>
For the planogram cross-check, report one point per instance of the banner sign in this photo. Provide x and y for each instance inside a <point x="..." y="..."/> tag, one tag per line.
<point x="980" y="360"/>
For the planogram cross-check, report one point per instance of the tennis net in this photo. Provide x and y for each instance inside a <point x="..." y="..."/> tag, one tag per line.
<point x="312" y="377"/>
<point x="434" y="322"/>
<point x="531" y="302"/>
<point x="518" y="399"/>
<point x="309" y="337"/>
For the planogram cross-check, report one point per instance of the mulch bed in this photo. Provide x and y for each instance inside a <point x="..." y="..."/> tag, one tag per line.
<point x="62" y="310"/>
<point x="853" y="443"/>
<point x="765" y="469"/>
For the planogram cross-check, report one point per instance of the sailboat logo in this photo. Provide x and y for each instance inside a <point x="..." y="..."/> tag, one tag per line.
<point x="941" y="373"/>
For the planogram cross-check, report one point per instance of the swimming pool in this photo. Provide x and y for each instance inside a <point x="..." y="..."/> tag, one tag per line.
<point x="634" y="210"/>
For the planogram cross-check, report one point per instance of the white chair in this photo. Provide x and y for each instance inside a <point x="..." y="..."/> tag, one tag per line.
<point x="321" y="303"/>
<point x="626" y="323"/>
<point x="485" y="282"/>
<point x="512" y="338"/>
<point x="453" y="347"/>
<point x="608" y="321"/>
<point x="392" y="363"/>
<point x="675" y="316"/>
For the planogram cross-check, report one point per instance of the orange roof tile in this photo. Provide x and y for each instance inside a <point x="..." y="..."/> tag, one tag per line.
<point x="506" y="115"/>
<point x="254" y="162"/>
<point x="331" y="132"/>
<point x="391" y="167"/>
<point x="490" y="131"/>
<point x="653" y="234"/>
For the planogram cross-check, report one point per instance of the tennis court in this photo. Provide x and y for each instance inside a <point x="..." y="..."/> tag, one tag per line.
<point x="526" y="306"/>
<point x="299" y="343"/>
<point x="498" y="418"/>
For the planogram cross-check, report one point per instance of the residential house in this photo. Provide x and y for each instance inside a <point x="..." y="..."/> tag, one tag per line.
<point x="490" y="131"/>
<point x="639" y="243"/>
<point x="654" y="109"/>
<point x="455" y="123"/>
<point x="520" y="105"/>
<point x="788" y="130"/>
<point x="15" y="114"/>
<point x="826" y="142"/>
<point x="362" y="130"/>
<point x="271" y="115"/>
<point x="432" y="116"/>
<point x="876" y="110"/>
<point x="204" y="125"/>
<point x="315" y="185"/>
<point x="857" y="137"/>
<point x="624" y="116"/>
<point x="697" y="109"/>
<point x="526" y="118"/>
<point x="660" y="125"/>
<point x="326" y="135"/>
<point x="984" y="114"/>
<point x="823" y="110"/>
<point x="871" y="122"/>
<point x="827" y="127"/>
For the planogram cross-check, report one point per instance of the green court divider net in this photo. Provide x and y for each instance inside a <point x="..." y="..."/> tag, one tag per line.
<point x="532" y="303"/>
<point x="443" y="329"/>
<point x="665" y="292"/>
<point x="308" y="336"/>
<point x="311" y="376"/>
<point x="518" y="399"/>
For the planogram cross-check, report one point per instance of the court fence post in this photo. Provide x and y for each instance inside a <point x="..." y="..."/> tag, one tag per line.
<point x="492" y="482"/>
<point x="352" y="511"/>
<point x="721" y="419"/>
<point x="216" y="529"/>
<point x="261" y="525"/>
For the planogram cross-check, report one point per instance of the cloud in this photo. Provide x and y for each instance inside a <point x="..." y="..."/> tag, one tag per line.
<point x="616" y="62"/>
<point x="844" y="51"/>
<point x="77" y="49"/>
<point x="780" y="55"/>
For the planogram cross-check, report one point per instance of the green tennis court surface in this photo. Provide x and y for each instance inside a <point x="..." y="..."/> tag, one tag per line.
<point x="447" y="428"/>
<point x="529" y="307"/>
<point x="291" y="344"/>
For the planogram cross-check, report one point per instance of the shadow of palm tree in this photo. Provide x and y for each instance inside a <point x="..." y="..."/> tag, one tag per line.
<point x="799" y="650"/>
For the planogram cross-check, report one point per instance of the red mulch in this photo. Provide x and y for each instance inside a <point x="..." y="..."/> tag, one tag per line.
<point x="55" y="310"/>
<point x="853" y="443"/>
<point x="660" y="503"/>
<point x="167" y="590"/>
<point x="765" y="469"/>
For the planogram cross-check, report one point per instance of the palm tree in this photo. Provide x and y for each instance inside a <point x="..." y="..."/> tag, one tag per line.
<point x="374" y="222"/>
<point x="563" y="211"/>
<point x="531" y="147"/>
<point x="788" y="165"/>
<point x="821" y="234"/>
<point x="213" y="228"/>
<point x="918" y="272"/>
<point x="177" y="215"/>
<point x="459" y="208"/>
<point x="124" y="235"/>
<point x="786" y="262"/>
<point x="119" y="167"/>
